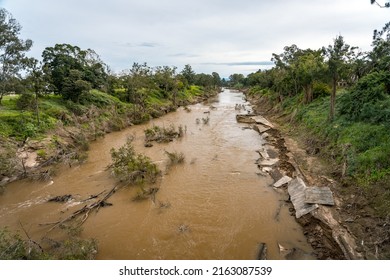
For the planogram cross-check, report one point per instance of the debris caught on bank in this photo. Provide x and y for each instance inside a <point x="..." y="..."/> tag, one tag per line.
<point x="296" y="190"/>
<point x="319" y="195"/>
<point x="282" y="181"/>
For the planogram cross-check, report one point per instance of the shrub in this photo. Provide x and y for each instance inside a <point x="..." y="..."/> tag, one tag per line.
<point x="369" y="100"/>
<point x="175" y="158"/>
<point x="26" y="101"/>
<point x="131" y="167"/>
<point x="321" y="90"/>
<point x="162" y="134"/>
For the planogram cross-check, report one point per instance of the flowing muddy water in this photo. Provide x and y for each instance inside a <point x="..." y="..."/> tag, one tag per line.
<point x="217" y="207"/>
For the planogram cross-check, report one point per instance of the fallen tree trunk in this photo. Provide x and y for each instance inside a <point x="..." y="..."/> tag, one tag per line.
<point x="86" y="209"/>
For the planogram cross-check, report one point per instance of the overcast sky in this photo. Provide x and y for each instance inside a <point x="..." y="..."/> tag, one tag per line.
<point x="231" y="36"/>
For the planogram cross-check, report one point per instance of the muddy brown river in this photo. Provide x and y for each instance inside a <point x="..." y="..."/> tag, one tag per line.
<point x="217" y="206"/>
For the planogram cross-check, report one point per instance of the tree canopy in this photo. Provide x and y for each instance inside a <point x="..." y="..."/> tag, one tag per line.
<point x="12" y="52"/>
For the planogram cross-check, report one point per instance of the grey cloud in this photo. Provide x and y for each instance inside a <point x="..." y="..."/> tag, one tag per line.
<point x="241" y="63"/>
<point x="219" y="35"/>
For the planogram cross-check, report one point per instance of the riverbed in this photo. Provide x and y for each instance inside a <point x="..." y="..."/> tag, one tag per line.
<point x="213" y="206"/>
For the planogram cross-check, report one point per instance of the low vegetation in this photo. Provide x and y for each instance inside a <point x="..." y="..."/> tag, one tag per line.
<point x="14" y="247"/>
<point x="175" y="158"/>
<point x="132" y="168"/>
<point x="163" y="134"/>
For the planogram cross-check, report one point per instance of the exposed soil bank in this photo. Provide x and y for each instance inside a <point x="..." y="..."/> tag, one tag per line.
<point x="328" y="229"/>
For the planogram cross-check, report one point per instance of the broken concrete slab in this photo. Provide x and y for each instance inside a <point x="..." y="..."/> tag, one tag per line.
<point x="247" y="118"/>
<point x="263" y="152"/>
<point x="269" y="162"/>
<point x="296" y="190"/>
<point x="282" y="181"/>
<point x="265" y="135"/>
<point x="319" y="195"/>
<point x="250" y="118"/>
<point x="261" y="120"/>
<point x="267" y="169"/>
<point x="260" y="128"/>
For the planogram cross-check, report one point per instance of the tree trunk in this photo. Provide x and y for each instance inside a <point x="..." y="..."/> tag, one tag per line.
<point x="308" y="93"/>
<point x="333" y="99"/>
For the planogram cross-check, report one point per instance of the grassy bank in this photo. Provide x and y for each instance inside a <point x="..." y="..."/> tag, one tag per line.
<point x="358" y="152"/>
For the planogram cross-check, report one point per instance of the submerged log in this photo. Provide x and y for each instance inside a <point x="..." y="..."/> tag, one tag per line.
<point x="61" y="198"/>
<point x="262" y="253"/>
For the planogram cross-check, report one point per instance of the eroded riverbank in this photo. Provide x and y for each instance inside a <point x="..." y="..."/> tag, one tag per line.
<point x="214" y="206"/>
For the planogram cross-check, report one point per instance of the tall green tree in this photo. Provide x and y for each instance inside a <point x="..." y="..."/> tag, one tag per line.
<point x="216" y="79"/>
<point x="188" y="74"/>
<point x="12" y="52"/>
<point x="137" y="82"/>
<point x="165" y="78"/>
<point x="35" y="82"/>
<point x="338" y="54"/>
<point x="309" y="67"/>
<point x="379" y="57"/>
<point x="64" y="63"/>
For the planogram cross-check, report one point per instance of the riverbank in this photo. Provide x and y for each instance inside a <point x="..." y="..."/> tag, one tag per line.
<point x="29" y="147"/>
<point x="350" y="229"/>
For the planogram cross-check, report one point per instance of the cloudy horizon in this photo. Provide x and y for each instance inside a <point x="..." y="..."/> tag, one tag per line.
<point x="212" y="36"/>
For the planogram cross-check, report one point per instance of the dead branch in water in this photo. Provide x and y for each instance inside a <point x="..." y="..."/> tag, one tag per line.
<point x="86" y="209"/>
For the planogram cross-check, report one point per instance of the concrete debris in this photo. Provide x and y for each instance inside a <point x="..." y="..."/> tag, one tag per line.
<point x="245" y="118"/>
<point x="319" y="195"/>
<point x="269" y="162"/>
<point x="260" y="128"/>
<point x="262" y="120"/>
<point x="264" y="154"/>
<point x="296" y="190"/>
<point x="284" y="180"/>
<point x="255" y="119"/>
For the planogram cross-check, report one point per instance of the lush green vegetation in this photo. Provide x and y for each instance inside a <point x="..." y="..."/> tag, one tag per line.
<point x="339" y="99"/>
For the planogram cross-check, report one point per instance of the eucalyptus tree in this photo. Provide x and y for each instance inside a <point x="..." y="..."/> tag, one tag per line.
<point x="137" y="82"/>
<point x="12" y="52"/>
<point x="188" y="74"/>
<point x="338" y="55"/>
<point x="65" y="64"/>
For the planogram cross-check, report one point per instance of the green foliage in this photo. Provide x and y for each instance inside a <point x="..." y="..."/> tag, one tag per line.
<point x="8" y="162"/>
<point x="162" y="134"/>
<point x="14" y="247"/>
<point x="369" y="100"/>
<point x="26" y="101"/>
<point x="72" y="71"/>
<point x="12" y="53"/>
<point x="175" y="158"/>
<point x="321" y="90"/>
<point x="132" y="168"/>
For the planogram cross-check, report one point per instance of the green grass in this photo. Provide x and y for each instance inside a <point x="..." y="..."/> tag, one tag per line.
<point x="366" y="145"/>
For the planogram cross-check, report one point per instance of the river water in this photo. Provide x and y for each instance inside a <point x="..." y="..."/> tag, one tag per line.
<point x="216" y="206"/>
